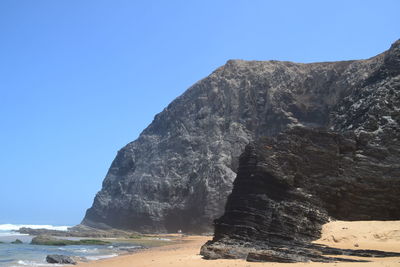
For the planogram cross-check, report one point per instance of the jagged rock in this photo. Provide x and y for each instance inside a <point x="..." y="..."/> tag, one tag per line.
<point x="179" y="172"/>
<point x="17" y="241"/>
<point x="288" y="186"/>
<point x="314" y="253"/>
<point x="272" y="255"/>
<point x="61" y="259"/>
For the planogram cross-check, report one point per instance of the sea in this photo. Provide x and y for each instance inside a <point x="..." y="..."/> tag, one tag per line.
<point x="17" y="255"/>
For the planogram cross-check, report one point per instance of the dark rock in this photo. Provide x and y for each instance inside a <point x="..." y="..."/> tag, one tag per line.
<point x="356" y="252"/>
<point x="288" y="186"/>
<point x="298" y="254"/>
<point x="60" y="259"/>
<point x="227" y="250"/>
<point x="17" y="241"/>
<point x="179" y="172"/>
<point x="272" y="255"/>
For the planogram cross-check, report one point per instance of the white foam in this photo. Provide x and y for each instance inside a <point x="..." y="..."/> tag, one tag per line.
<point x="33" y="263"/>
<point x="79" y="250"/>
<point x="86" y="250"/>
<point x="13" y="227"/>
<point x="11" y="234"/>
<point x="100" y="257"/>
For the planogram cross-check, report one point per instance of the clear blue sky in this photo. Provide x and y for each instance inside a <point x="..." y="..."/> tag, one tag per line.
<point x="79" y="79"/>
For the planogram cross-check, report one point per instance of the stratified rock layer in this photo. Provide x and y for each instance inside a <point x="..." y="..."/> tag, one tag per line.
<point x="179" y="172"/>
<point x="289" y="185"/>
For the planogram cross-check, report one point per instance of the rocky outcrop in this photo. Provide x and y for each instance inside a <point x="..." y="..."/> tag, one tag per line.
<point x="53" y="241"/>
<point x="61" y="259"/>
<point x="79" y="231"/>
<point x="289" y="185"/>
<point x="179" y="172"/>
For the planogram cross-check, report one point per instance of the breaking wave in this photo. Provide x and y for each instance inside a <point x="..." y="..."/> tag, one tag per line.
<point x="34" y="263"/>
<point x="13" y="227"/>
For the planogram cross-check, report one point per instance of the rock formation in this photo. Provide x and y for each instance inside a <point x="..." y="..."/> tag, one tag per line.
<point x="289" y="185"/>
<point x="179" y="172"/>
<point x="79" y="231"/>
<point x="46" y="240"/>
<point x="61" y="259"/>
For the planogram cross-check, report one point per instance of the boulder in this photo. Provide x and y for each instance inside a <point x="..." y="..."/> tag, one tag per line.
<point x="60" y="259"/>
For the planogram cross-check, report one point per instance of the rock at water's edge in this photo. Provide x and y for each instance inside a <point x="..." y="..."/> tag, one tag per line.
<point x="60" y="259"/>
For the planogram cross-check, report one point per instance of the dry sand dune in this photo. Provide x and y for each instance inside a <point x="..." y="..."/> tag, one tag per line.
<point x="380" y="235"/>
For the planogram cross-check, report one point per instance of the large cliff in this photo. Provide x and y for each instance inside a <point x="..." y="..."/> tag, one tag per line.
<point x="179" y="172"/>
<point x="289" y="185"/>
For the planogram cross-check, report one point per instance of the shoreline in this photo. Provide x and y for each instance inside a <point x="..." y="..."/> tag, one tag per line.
<point x="184" y="252"/>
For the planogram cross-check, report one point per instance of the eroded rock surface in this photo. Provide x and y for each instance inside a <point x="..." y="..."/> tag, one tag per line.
<point x="179" y="172"/>
<point x="289" y="185"/>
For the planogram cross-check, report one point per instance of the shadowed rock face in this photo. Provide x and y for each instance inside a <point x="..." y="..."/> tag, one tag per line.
<point x="179" y="172"/>
<point x="289" y="185"/>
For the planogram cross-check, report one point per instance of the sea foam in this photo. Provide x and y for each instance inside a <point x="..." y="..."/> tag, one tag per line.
<point x="34" y="263"/>
<point x="13" y="227"/>
<point x="101" y="257"/>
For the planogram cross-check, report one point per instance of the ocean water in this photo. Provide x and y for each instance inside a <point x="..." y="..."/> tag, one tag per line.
<point x="35" y="255"/>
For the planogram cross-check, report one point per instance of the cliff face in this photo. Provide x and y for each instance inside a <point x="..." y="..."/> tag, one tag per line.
<point x="289" y="185"/>
<point x="179" y="172"/>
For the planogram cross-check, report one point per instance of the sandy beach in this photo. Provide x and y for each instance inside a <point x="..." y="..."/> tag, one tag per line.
<point x="380" y="235"/>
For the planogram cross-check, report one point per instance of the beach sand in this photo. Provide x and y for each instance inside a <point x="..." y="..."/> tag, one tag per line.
<point x="380" y="235"/>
